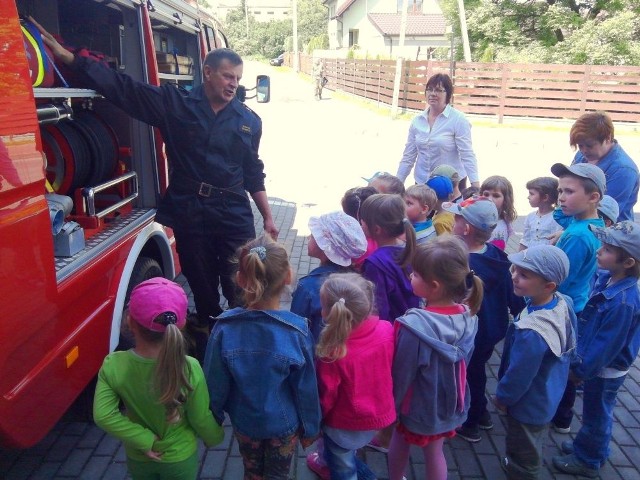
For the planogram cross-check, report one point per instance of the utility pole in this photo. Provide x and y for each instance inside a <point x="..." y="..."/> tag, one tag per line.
<point x="296" y="59"/>
<point x="246" y="16"/>
<point x="463" y="30"/>
<point x="399" y="60"/>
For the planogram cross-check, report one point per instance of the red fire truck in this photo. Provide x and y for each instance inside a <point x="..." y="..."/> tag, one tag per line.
<point x="79" y="183"/>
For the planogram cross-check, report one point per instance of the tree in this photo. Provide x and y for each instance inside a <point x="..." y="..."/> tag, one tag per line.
<point x="560" y="31"/>
<point x="312" y="21"/>
<point x="269" y="39"/>
<point x="235" y="28"/>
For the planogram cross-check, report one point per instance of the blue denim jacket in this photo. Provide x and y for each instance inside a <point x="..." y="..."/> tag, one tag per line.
<point x="306" y="298"/>
<point x="532" y="378"/>
<point x="259" y="368"/>
<point x="609" y="328"/>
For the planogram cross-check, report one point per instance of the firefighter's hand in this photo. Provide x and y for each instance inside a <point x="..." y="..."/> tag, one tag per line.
<point x="58" y="50"/>
<point x="271" y="229"/>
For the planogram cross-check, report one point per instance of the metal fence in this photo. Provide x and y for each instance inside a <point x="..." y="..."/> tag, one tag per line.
<point x="496" y="89"/>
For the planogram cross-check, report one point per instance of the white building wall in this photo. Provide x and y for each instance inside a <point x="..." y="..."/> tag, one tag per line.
<point x="370" y="40"/>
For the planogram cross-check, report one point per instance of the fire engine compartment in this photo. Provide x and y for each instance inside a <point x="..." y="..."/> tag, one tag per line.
<point x="96" y="154"/>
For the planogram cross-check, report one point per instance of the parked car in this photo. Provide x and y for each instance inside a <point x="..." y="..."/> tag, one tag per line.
<point x="278" y="61"/>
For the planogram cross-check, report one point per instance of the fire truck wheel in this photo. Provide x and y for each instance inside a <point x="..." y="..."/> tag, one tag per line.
<point x="144" y="269"/>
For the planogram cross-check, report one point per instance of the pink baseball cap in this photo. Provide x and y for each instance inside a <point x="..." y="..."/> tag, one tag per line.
<point x="152" y="298"/>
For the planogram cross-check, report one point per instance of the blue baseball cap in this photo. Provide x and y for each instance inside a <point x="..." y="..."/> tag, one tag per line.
<point x="442" y="186"/>
<point x="548" y="261"/>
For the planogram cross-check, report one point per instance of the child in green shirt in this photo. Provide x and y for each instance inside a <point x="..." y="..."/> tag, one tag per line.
<point x="163" y="390"/>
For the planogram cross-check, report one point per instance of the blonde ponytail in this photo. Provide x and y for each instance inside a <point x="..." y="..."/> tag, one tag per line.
<point x="172" y="373"/>
<point x="348" y="298"/>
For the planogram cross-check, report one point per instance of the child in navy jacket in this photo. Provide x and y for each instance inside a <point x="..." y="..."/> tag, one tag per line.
<point x="608" y="343"/>
<point x="536" y="356"/>
<point x="475" y="219"/>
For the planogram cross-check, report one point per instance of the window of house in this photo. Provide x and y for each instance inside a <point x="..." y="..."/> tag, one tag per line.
<point x="269" y="13"/>
<point x="413" y="6"/>
<point x="353" y="37"/>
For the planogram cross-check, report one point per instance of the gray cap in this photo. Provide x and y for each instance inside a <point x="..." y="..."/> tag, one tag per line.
<point x="445" y="170"/>
<point x="625" y="234"/>
<point x="548" y="261"/>
<point x="609" y="208"/>
<point x="480" y="212"/>
<point x="584" y="170"/>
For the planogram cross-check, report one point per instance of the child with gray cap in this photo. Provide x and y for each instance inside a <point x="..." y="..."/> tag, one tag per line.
<point x="536" y="356"/>
<point x="475" y="219"/>
<point x="608" y="344"/>
<point x="609" y="210"/>
<point x="580" y="189"/>
<point x="451" y="173"/>
<point x="336" y="239"/>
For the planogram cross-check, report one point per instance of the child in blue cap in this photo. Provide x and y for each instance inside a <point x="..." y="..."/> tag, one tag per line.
<point x="442" y="220"/>
<point x="608" y="344"/>
<point x="536" y="356"/>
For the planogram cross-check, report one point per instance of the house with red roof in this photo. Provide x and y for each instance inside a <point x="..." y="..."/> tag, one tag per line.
<point x="373" y="26"/>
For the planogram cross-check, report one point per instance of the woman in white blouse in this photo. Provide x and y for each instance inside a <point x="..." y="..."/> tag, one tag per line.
<point x="439" y="135"/>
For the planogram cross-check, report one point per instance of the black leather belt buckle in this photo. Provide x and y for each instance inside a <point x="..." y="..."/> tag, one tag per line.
<point x="205" y="190"/>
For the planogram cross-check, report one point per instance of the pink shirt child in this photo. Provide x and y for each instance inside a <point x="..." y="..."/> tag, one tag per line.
<point x="356" y="391"/>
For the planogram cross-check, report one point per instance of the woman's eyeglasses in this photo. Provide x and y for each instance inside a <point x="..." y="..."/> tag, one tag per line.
<point x="435" y="90"/>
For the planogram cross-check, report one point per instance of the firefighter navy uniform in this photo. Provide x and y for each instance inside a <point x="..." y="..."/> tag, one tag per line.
<point x="213" y="163"/>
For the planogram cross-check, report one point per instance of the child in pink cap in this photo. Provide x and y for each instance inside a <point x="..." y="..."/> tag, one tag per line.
<point x="163" y="390"/>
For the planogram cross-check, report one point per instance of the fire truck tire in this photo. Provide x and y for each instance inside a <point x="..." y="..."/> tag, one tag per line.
<point x="144" y="269"/>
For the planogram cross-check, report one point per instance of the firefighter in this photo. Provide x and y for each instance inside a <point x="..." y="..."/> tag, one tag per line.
<point x="211" y="141"/>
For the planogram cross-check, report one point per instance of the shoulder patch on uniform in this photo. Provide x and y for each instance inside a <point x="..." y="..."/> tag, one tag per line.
<point x="245" y="128"/>
<point x="251" y="111"/>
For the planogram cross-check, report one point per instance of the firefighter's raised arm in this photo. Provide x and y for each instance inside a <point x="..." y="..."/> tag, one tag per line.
<point x="58" y="50"/>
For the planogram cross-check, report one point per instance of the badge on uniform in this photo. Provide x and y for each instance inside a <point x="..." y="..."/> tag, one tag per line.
<point x="245" y="129"/>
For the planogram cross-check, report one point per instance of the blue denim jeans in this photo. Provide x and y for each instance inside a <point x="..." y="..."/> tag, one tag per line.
<point x="591" y="445"/>
<point x="343" y="463"/>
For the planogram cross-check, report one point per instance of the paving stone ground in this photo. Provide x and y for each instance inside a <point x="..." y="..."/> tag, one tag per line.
<point x="78" y="449"/>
